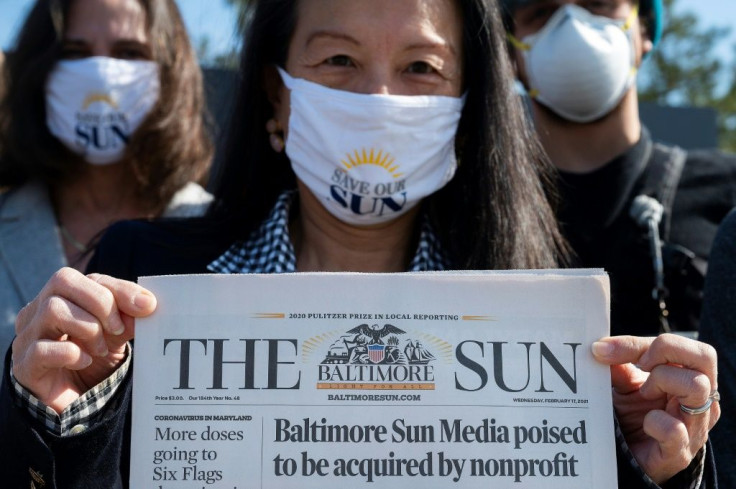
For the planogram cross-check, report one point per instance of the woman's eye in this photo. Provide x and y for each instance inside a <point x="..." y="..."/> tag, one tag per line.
<point x="131" y="51"/>
<point x="74" y="53"/>
<point x="339" y="60"/>
<point x="131" y="54"/>
<point x="421" y="68"/>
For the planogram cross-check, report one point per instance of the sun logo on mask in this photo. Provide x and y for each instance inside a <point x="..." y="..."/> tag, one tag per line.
<point x="98" y="97"/>
<point x="379" y="158"/>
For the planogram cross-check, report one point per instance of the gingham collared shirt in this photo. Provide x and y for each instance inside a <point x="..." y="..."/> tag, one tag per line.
<point x="79" y="414"/>
<point x="269" y="249"/>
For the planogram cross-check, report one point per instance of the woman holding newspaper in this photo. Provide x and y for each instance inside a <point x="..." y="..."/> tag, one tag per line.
<point x="373" y="136"/>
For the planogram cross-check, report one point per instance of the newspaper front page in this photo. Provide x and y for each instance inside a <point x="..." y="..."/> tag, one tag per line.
<point x="443" y="379"/>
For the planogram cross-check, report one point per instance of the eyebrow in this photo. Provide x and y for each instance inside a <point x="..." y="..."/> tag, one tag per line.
<point x="132" y="43"/>
<point x="345" y="37"/>
<point x="444" y="46"/>
<point x="71" y="40"/>
<point x="331" y="35"/>
<point x="120" y="42"/>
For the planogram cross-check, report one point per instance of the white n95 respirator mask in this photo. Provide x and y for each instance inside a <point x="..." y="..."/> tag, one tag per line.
<point x="94" y="105"/>
<point x="370" y="158"/>
<point x="580" y="65"/>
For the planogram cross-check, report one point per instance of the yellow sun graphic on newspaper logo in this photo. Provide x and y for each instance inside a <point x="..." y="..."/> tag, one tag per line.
<point x="378" y="158"/>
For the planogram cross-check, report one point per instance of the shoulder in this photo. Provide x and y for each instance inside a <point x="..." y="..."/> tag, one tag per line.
<point x="712" y="165"/>
<point x="707" y="182"/>
<point x="131" y="249"/>
<point x="725" y="241"/>
<point x="16" y="201"/>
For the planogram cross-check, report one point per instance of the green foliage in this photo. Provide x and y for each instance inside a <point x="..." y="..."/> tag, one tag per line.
<point x="685" y="69"/>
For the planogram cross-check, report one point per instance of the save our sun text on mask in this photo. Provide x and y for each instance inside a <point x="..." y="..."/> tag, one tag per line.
<point x="363" y="197"/>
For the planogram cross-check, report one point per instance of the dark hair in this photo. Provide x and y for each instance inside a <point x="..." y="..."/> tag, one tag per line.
<point x="2" y="75"/>
<point x="494" y="214"/>
<point x="172" y="146"/>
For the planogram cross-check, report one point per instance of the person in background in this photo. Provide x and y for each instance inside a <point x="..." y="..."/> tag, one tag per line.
<point x="103" y="120"/>
<point x="368" y="136"/>
<point x="645" y="212"/>
<point x="718" y="327"/>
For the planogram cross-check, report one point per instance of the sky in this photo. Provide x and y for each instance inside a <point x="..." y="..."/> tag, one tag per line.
<point x="215" y="20"/>
<point x="211" y="18"/>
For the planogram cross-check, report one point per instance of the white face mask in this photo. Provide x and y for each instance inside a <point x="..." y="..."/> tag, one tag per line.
<point x="580" y="65"/>
<point x="93" y="105"/>
<point x="370" y="158"/>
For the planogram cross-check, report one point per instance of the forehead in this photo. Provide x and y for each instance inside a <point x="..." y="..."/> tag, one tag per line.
<point x="93" y="19"/>
<point x="381" y="19"/>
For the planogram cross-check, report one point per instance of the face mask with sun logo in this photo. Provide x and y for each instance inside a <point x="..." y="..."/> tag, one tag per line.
<point x="370" y="158"/>
<point x="94" y="105"/>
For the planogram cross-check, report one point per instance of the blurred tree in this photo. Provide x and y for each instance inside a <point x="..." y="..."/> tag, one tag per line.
<point x="685" y="69"/>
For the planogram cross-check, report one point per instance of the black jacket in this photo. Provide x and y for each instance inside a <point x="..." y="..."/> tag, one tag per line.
<point x="99" y="457"/>
<point x="595" y="219"/>
<point x="719" y="329"/>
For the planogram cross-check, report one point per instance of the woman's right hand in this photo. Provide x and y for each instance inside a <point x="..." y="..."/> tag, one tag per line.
<point x="73" y="334"/>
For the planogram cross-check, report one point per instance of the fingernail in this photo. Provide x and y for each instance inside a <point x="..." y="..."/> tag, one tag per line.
<point x="144" y="300"/>
<point x="85" y="360"/>
<point x="602" y="349"/>
<point x="120" y="329"/>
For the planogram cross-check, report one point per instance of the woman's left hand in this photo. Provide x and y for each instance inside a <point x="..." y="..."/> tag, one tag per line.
<point x="652" y="378"/>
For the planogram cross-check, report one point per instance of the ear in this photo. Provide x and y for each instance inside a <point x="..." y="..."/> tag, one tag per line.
<point x="273" y="85"/>
<point x="647" y="46"/>
<point x="645" y="39"/>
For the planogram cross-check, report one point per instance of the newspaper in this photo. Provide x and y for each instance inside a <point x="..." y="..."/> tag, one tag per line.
<point x="321" y="380"/>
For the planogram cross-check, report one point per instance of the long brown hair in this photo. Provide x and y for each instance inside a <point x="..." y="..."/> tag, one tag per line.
<point x="494" y="214"/>
<point x="172" y="146"/>
<point x="2" y="75"/>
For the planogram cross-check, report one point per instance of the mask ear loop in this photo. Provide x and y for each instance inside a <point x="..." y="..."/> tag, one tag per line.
<point x="630" y="19"/>
<point x="626" y="27"/>
<point x="518" y="44"/>
<point x="522" y="46"/>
